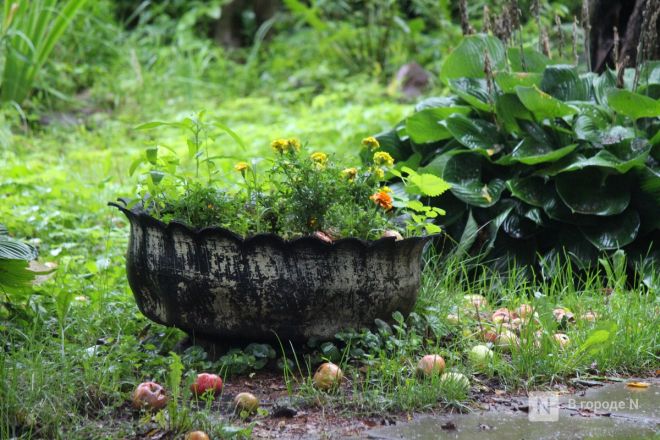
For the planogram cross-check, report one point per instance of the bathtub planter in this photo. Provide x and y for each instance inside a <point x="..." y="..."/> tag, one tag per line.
<point x="217" y="285"/>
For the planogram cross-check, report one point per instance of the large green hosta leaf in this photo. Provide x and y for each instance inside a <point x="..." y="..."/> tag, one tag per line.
<point x="605" y="159"/>
<point x="391" y="143"/>
<point x="564" y="83"/>
<point x="472" y="91"/>
<point x="529" y="60"/>
<point x="530" y="152"/>
<point x="463" y="171"/>
<point x="542" y="104"/>
<point x="508" y="81"/>
<point x="509" y="110"/>
<point x="532" y="190"/>
<point x="11" y="249"/>
<point x="467" y="59"/>
<point x="475" y="134"/>
<point x="590" y="191"/>
<point x="426" y="126"/>
<point x="633" y="104"/>
<point x="613" y="232"/>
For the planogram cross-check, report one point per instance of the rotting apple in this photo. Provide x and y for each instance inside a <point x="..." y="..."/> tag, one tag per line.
<point x="453" y="319"/>
<point x="502" y="315"/>
<point x="197" y="435"/>
<point x="205" y="382"/>
<point x="392" y="233"/>
<point x="560" y="313"/>
<point x="455" y="379"/>
<point x="480" y="356"/>
<point x="328" y="376"/>
<point x="431" y="364"/>
<point x="589" y="316"/>
<point x="475" y="300"/>
<point x="246" y="402"/>
<point x="562" y="339"/>
<point x="507" y="340"/>
<point x="149" y="395"/>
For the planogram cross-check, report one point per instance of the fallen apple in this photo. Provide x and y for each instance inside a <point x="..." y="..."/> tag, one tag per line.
<point x="562" y="339"/>
<point x="502" y="315"/>
<point x="507" y="340"/>
<point x="246" y="402"/>
<point x="480" y="356"/>
<point x="197" y="435"/>
<point x="322" y="236"/>
<point x="589" y="316"/>
<point x="328" y="376"/>
<point x="205" y="382"/>
<point x="489" y="336"/>
<point x="477" y="301"/>
<point x="524" y="310"/>
<point x="560" y="313"/>
<point x="455" y="380"/>
<point x="149" y="395"/>
<point x="431" y="364"/>
<point x="453" y="319"/>
<point x="392" y="233"/>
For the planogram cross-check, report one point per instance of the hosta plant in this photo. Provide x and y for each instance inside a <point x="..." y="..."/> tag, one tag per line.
<point x="544" y="161"/>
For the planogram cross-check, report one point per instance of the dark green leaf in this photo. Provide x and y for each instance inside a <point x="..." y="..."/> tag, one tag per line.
<point x="476" y="134"/>
<point x="463" y="171"/>
<point x="564" y="83"/>
<point x="590" y="191"/>
<point x="509" y="109"/>
<point x="531" y="190"/>
<point x="473" y="91"/>
<point x="531" y="153"/>
<point x="613" y="232"/>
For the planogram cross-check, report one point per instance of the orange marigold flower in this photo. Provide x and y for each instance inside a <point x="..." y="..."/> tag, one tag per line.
<point x="382" y="199"/>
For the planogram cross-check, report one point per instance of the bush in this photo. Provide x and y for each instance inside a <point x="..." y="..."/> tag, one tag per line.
<point x="544" y="161"/>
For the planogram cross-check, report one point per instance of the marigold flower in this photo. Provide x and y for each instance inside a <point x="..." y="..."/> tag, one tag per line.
<point x="382" y="199"/>
<point x="383" y="158"/>
<point x="386" y="189"/>
<point x="319" y="158"/>
<point x="242" y="167"/>
<point x="371" y="143"/>
<point x="379" y="173"/>
<point x="285" y="145"/>
<point x="350" y="173"/>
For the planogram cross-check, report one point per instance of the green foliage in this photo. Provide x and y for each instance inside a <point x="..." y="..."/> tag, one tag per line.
<point x="543" y="162"/>
<point x="299" y="195"/>
<point x="29" y="32"/>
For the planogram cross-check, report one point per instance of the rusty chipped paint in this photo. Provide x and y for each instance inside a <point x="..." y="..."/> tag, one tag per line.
<point x="217" y="285"/>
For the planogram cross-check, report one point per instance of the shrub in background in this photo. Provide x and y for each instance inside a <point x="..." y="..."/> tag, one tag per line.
<point x="545" y="162"/>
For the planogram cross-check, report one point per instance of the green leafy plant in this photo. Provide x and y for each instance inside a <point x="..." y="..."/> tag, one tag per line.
<point x="299" y="194"/>
<point x="29" y="32"/>
<point x="544" y="161"/>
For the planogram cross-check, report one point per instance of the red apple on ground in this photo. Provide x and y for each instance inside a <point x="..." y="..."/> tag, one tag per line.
<point x="503" y="315"/>
<point x="431" y="364"/>
<point x="328" y="376"/>
<point x="507" y="339"/>
<point x="205" y="382"/>
<point x="246" y="402"/>
<point x="149" y="395"/>
<point x="392" y="233"/>
<point x="560" y="313"/>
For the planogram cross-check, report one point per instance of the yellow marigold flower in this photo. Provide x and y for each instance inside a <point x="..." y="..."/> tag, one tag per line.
<point x="279" y="145"/>
<point x="383" y="158"/>
<point x="386" y="189"/>
<point x="382" y="199"/>
<point x="294" y="144"/>
<point x="350" y="173"/>
<point x="379" y="173"/>
<point x="319" y="157"/>
<point x="371" y="143"/>
<point x="242" y="167"/>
